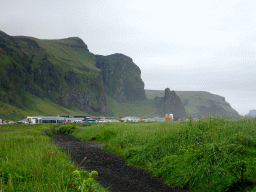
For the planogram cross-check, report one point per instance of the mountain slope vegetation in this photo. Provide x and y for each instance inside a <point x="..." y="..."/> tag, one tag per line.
<point x="66" y="77"/>
<point x="63" y="71"/>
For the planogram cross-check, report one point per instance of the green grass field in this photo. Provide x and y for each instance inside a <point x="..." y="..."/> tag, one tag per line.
<point x="205" y="155"/>
<point x="30" y="162"/>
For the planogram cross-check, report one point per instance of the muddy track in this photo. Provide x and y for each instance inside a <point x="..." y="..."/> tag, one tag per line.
<point x="113" y="171"/>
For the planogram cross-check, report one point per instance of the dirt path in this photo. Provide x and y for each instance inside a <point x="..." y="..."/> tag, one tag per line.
<point x="113" y="171"/>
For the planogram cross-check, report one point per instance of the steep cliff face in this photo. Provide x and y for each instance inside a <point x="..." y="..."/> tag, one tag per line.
<point x="121" y="77"/>
<point x="61" y="70"/>
<point x="170" y="104"/>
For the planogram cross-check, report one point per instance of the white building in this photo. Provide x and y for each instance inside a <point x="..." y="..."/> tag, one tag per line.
<point x="73" y="119"/>
<point x="33" y="119"/>
<point x="45" y="119"/>
<point x="131" y="118"/>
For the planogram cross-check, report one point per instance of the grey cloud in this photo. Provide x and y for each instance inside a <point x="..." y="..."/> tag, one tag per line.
<point x="206" y="46"/>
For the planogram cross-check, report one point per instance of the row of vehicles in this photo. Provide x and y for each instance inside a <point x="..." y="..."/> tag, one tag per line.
<point x="96" y="121"/>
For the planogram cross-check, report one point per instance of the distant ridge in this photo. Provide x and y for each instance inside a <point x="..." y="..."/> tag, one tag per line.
<point x="252" y="113"/>
<point x="199" y="103"/>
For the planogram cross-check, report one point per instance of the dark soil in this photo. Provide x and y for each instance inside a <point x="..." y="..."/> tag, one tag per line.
<point x="113" y="171"/>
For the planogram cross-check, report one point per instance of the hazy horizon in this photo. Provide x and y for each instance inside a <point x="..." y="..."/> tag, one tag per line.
<point x="199" y="45"/>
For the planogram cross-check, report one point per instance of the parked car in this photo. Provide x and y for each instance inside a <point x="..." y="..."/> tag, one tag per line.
<point x="90" y="121"/>
<point x="20" y="122"/>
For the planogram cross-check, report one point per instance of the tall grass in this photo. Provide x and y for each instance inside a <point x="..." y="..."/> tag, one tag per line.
<point x="205" y="155"/>
<point x="30" y="162"/>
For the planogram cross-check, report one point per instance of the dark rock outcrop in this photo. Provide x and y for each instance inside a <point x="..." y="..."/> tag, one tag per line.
<point x="121" y="77"/>
<point x="173" y="104"/>
<point x="170" y="104"/>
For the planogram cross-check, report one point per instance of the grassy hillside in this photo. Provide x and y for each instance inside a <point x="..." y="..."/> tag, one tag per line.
<point x="56" y="71"/>
<point x="201" y="98"/>
<point x="35" y="107"/>
<point x="199" y="103"/>
<point x="69" y="54"/>
<point x="203" y="156"/>
<point x="141" y="108"/>
<point x="151" y="94"/>
<point x="62" y="72"/>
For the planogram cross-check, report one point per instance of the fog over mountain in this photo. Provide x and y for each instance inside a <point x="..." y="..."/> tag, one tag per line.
<point x="200" y="45"/>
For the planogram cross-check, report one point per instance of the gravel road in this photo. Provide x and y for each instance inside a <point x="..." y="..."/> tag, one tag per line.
<point x="113" y="171"/>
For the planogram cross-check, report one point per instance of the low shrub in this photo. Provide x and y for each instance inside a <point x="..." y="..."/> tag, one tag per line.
<point x="83" y="180"/>
<point x="50" y="131"/>
<point x="242" y="173"/>
<point x="67" y="128"/>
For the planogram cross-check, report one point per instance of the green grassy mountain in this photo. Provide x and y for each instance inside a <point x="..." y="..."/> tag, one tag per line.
<point x="199" y="103"/>
<point x="62" y="73"/>
<point x="62" y="77"/>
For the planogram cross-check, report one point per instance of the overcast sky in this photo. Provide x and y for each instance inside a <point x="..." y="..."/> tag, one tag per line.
<point x="199" y="45"/>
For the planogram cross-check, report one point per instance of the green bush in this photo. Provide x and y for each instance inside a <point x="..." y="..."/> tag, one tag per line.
<point x="83" y="179"/>
<point x="67" y="128"/>
<point x="50" y="131"/>
<point x="242" y="173"/>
